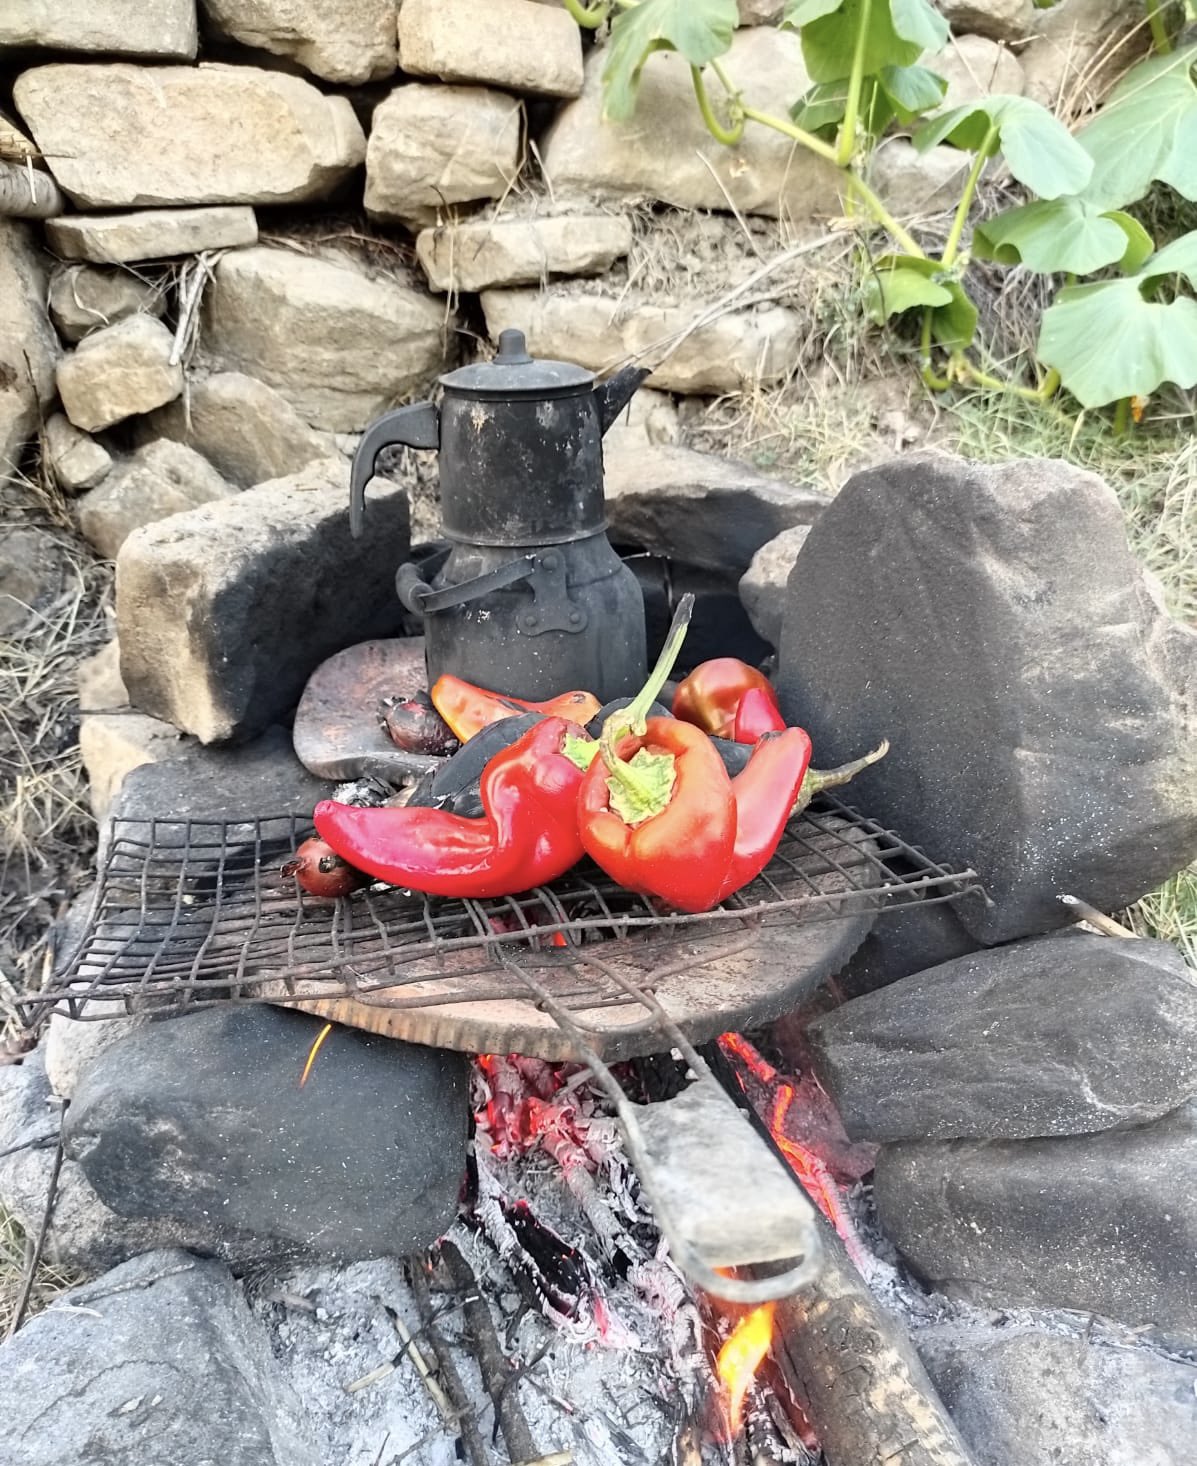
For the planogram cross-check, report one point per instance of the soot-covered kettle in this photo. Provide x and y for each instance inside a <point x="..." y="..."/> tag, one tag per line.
<point x="531" y="600"/>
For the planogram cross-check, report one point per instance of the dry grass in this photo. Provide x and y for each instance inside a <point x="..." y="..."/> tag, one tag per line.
<point x="48" y="1283"/>
<point x="47" y="833"/>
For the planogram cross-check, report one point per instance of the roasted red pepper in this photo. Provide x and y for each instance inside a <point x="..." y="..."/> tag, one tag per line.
<point x="765" y="793"/>
<point x="528" y="834"/>
<point x="681" y="850"/>
<point x="468" y="709"/>
<point x="710" y="696"/>
<point x="756" y="715"/>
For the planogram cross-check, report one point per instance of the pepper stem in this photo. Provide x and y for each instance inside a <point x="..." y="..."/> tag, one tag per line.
<point x="817" y="780"/>
<point x="642" y="787"/>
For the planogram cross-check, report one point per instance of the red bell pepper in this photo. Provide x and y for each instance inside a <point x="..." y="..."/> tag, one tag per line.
<point x="528" y="834"/>
<point x="681" y="848"/>
<point x="710" y="696"/>
<point x="765" y="794"/>
<point x="468" y="709"/>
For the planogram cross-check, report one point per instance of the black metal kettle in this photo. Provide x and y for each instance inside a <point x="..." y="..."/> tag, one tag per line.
<point x="532" y="600"/>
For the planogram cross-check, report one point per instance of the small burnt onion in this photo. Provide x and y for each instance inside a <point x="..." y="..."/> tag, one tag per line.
<point x="415" y="726"/>
<point x="322" y="872"/>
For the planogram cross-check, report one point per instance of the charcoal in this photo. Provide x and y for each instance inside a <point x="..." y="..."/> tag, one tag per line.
<point x="1022" y="1393"/>
<point x="1059" y="1035"/>
<point x="1106" y="1224"/>
<point x="200" y="1121"/>
<point x="1041" y="707"/>
<point x="159" y="1360"/>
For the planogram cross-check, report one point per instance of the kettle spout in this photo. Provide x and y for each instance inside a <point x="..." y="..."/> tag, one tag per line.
<point x="616" y="392"/>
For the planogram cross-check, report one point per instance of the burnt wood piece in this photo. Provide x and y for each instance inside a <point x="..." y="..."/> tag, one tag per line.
<point x="855" y="1372"/>
<point x="338" y="732"/>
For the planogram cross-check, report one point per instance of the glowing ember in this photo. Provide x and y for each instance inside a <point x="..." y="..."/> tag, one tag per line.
<point x="740" y="1358"/>
<point x="810" y="1169"/>
<point x="313" y="1051"/>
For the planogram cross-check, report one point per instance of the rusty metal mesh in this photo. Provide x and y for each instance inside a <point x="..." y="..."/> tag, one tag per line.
<point x="190" y="913"/>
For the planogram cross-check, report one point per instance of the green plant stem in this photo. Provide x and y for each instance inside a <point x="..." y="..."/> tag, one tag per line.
<point x="730" y="136"/>
<point x="930" y="379"/>
<point x="632" y="718"/>
<point x="1122" y="416"/>
<point x="966" y="370"/>
<point x="589" y="19"/>
<point x="858" y="186"/>
<point x="955" y="234"/>
<point x="1160" y="38"/>
<point x="847" y="139"/>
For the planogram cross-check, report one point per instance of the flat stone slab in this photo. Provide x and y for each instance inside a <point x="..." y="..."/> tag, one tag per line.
<point x="521" y="251"/>
<point x="151" y="234"/>
<point x="1061" y="1036"/>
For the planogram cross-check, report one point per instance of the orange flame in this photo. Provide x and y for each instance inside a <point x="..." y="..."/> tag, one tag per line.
<point x="313" y="1051"/>
<point x="740" y="1358"/>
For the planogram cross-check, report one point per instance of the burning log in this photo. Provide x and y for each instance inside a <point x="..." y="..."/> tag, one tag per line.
<point x="857" y="1376"/>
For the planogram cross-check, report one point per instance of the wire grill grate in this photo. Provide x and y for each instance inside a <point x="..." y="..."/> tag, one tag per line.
<point x="191" y="913"/>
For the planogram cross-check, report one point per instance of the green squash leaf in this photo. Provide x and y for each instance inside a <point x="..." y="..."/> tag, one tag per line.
<point x="920" y="22"/>
<point x="700" y="30"/>
<point x="802" y="12"/>
<point x="1177" y="258"/>
<point x="1039" y="150"/>
<point x="912" y="90"/>
<point x="1146" y="131"/>
<point x="829" y="41"/>
<point x="822" y="106"/>
<point x="1139" y="244"/>
<point x="891" y="291"/>
<point x="1107" y="342"/>
<point x="1056" y="236"/>
<point x="902" y="282"/>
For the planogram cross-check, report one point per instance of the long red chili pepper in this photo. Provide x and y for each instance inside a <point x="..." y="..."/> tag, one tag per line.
<point x="765" y="793"/>
<point x="528" y="834"/>
<point x="468" y="709"/>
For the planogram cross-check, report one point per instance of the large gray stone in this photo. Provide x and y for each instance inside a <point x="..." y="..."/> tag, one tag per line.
<point x="912" y="182"/>
<point x="474" y="256"/>
<point x="158" y="480"/>
<point x="431" y="146"/>
<point x="975" y="67"/>
<point x="763" y="584"/>
<point x="85" y="299"/>
<point x="1103" y="1223"/>
<point x="113" y="744"/>
<point x="117" y="372"/>
<point x="1000" y="20"/>
<point x="122" y="136"/>
<point x="365" y="1161"/>
<point x="164" y="29"/>
<point x="1040" y="705"/>
<point x="339" y="341"/>
<point x="352" y="41"/>
<point x="224" y="613"/>
<point x="28" y="346"/>
<point x="909" y="939"/>
<point x="695" y="507"/>
<point x="1057" y="1036"/>
<point x="514" y="44"/>
<point x="151" y="234"/>
<point x="665" y="151"/>
<point x="248" y="432"/>
<point x="158" y="1361"/>
<point x="1022" y="1393"/>
<point x="726" y="354"/>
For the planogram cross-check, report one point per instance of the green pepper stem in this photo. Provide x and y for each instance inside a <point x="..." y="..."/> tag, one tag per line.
<point x="632" y="718"/>
<point x="817" y="780"/>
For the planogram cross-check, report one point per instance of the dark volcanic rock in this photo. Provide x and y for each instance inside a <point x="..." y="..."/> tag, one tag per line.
<point x="201" y="1121"/>
<point x="1057" y="1036"/>
<point x="1023" y="1395"/>
<point x="1103" y="1223"/>
<point x="1041" y="707"/>
<point x="158" y="1361"/>
<point x="907" y="939"/>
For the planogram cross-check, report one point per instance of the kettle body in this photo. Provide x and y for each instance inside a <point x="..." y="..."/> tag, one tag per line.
<point x="532" y="600"/>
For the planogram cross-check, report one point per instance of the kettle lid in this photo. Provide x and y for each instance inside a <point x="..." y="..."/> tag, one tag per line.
<point x="513" y="373"/>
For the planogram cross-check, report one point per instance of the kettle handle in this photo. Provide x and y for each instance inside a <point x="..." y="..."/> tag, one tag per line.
<point x="417" y="426"/>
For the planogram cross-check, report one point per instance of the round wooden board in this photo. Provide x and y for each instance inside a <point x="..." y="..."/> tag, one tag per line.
<point x="729" y="980"/>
